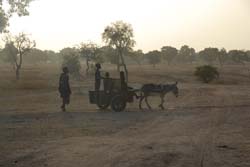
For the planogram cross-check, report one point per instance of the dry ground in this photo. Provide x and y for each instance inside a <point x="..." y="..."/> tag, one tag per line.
<point x="206" y="126"/>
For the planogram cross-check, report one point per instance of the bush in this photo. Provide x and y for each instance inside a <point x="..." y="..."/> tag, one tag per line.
<point x="73" y="63"/>
<point x="206" y="73"/>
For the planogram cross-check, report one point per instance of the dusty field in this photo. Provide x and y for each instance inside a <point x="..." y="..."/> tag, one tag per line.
<point x="206" y="126"/>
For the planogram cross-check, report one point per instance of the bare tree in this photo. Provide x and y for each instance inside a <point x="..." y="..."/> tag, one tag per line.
<point x="89" y="52"/>
<point x="17" y="47"/>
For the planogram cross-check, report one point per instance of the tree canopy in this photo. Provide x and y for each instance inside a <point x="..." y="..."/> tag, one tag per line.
<point x="169" y="53"/>
<point x="153" y="57"/>
<point x="71" y="60"/>
<point x="209" y="54"/>
<point x="10" y="7"/>
<point x="120" y="36"/>
<point x="186" y="54"/>
<point x="238" y="56"/>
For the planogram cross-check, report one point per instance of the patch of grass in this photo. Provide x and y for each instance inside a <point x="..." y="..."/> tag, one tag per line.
<point x="32" y="84"/>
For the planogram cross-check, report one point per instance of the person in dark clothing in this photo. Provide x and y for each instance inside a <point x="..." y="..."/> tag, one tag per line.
<point x="107" y="83"/>
<point x="64" y="88"/>
<point x="98" y="77"/>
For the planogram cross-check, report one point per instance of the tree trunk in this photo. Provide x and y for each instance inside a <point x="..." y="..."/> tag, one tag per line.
<point x="220" y="61"/>
<point x="126" y="71"/>
<point x="87" y="69"/>
<point x="118" y="67"/>
<point x="18" y="73"/>
<point x="19" y="65"/>
<point x="118" y="62"/>
<point x="124" y="65"/>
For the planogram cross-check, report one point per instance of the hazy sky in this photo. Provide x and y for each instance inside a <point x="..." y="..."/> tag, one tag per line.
<point x="56" y="24"/>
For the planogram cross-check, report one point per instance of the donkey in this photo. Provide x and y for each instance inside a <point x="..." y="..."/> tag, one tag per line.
<point x="157" y="90"/>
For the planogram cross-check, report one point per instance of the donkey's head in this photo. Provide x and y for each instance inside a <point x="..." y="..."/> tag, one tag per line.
<point x="171" y="88"/>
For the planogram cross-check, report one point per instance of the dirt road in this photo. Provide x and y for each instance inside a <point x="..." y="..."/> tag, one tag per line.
<point x="218" y="135"/>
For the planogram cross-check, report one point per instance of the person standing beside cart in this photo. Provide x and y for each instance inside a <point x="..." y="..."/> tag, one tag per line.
<point x="98" y="77"/>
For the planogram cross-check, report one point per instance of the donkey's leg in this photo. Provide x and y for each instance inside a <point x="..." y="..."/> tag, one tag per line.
<point x="146" y="100"/>
<point x="141" y="99"/>
<point x="162" y="101"/>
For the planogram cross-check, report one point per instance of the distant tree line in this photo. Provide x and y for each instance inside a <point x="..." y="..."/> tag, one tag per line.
<point x="185" y="55"/>
<point x="92" y="53"/>
<point x="171" y="55"/>
<point x="33" y="56"/>
<point x="119" y="40"/>
<point x="118" y="37"/>
<point x="188" y="54"/>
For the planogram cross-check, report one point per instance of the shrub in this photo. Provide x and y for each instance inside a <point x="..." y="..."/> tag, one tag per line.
<point x="206" y="73"/>
<point x="73" y="63"/>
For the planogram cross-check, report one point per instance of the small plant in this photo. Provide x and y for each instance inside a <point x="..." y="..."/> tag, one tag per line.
<point x="206" y="73"/>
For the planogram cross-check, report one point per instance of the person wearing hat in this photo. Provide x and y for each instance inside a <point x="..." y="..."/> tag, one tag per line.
<point x="64" y="88"/>
<point x="98" y="76"/>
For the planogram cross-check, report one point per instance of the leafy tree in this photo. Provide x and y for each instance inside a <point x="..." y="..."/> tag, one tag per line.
<point x="154" y="57"/>
<point x="36" y="56"/>
<point x="238" y="56"/>
<point x="248" y="54"/>
<point x="108" y="54"/>
<point x="120" y="36"/>
<point x="9" y="54"/>
<point x="136" y="56"/>
<point x="52" y="56"/>
<point x="206" y="73"/>
<point x="186" y="54"/>
<point x="169" y="53"/>
<point x="10" y="7"/>
<point x="209" y="54"/>
<point x="16" y="47"/>
<point x="71" y="59"/>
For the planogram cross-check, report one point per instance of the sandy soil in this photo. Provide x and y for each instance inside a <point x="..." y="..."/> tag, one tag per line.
<point x="207" y="125"/>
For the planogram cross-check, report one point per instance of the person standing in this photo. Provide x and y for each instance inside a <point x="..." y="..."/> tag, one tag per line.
<point x="64" y="88"/>
<point x="98" y="77"/>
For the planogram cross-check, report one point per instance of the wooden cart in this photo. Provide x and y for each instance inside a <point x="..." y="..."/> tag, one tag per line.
<point x="114" y="94"/>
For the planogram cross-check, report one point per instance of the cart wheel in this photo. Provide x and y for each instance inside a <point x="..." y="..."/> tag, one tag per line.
<point x="103" y="106"/>
<point x="118" y="103"/>
<point x="103" y="103"/>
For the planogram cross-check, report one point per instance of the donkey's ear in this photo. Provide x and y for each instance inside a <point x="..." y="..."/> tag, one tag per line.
<point x="176" y="83"/>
